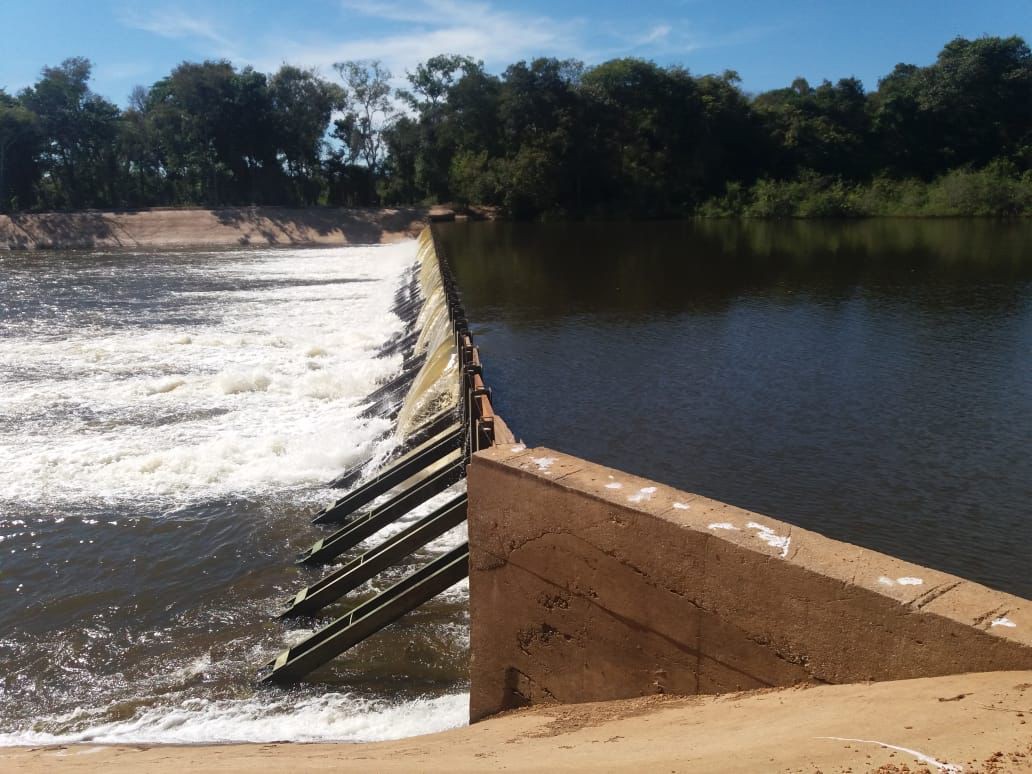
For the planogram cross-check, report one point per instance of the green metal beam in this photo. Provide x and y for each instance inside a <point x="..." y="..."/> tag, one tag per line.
<point x="374" y="561"/>
<point x="446" y="472"/>
<point x="403" y="468"/>
<point x="368" y="618"/>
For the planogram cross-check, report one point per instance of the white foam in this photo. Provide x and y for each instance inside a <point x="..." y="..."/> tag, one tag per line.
<point x="329" y="717"/>
<point x="164" y="385"/>
<point x="233" y="382"/>
<point x="224" y="407"/>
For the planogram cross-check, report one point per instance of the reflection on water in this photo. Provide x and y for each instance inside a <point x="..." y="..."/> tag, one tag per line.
<point x="869" y="380"/>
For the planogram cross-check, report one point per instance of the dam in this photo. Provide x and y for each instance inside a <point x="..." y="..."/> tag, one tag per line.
<point x="650" y="589"/>
<point x="444" y="418"/>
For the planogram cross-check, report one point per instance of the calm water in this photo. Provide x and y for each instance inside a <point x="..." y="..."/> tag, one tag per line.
<point x="167" y="423"/>
<point x="871" y="381"/>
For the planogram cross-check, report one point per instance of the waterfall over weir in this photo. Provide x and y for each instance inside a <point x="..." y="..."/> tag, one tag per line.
<point x="442" y="414"/>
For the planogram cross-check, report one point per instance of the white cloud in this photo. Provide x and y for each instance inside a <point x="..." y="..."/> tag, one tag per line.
<point x="179" y="24"/>
<point x="659" y="32"/>
<point x="425" y="28"/>
<point x="403" y="33"/>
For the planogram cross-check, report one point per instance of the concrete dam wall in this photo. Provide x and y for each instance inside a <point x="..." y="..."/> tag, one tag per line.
<point x="589" y="584"/>
<point x="218" y="227"/>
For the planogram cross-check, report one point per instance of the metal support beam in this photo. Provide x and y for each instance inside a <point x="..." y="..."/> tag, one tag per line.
<point x="449" y="471"/>
<point x="374" y="561"/>
<point x="368" y="618"/>
<point x="397" y="472"/>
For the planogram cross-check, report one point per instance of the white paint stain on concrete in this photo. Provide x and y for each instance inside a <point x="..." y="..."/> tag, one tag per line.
<point x="681" y="506"/>
<point x="904" y="581"/>
<point x="614" y="485"/>
<point x="517" y="448"/>
<point x="643" y="494"/>
<point x="723" y="525"/>
<point x="928" y="760"/>
<point x="543" y="463"/>
<point x="1003" y="621"/>
<point x="771" y="538"/>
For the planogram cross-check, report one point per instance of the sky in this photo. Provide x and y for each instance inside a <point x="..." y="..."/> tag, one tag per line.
<point x="767" y="43"/>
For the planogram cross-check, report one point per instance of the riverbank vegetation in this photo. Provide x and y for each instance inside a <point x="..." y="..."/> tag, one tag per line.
<point x="546" y="138"/>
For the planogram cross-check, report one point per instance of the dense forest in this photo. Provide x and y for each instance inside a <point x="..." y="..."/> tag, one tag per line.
<point x="544" y="138"/>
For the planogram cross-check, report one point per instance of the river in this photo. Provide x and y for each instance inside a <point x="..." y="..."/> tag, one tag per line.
<point x="167" y="424"/>
<point x="868" y="380"/>
<point x="168" y="421"/>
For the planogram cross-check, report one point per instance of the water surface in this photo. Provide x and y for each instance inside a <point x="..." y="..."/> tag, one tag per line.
<point x="167" y="424"/>
<point x="868" y="380"/>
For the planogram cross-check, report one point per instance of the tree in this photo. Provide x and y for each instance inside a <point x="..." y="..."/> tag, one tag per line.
<point x="20" y="143"/>
<point x="824" y="129"/>
<point x="368" y="113"/>
<point x="302" y="106"/>
<point x="972" y="105"/>
<point x="732" y="144"/>
<point x="78" y="128"/>
<point x="650" y="119"/>
<point x="218" y="133"/>
<point x="433" y="81"/>
<point x="425" y="146"/>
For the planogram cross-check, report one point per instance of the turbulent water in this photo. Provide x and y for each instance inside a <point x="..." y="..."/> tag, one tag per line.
<point x="167" y="425"/>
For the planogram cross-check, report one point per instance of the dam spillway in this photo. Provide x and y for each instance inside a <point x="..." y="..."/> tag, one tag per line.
<point x="170" y="422"/>
<point x="444" y="416"/>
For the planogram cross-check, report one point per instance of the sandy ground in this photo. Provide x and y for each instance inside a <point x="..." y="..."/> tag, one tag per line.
<point x="224" y="227"/>
<point x="970" y="723"/>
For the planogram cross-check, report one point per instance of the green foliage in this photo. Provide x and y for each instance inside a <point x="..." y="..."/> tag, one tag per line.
<point x="21" y="142"/>
<point x="997" y="190"/>
<point x="472" y="178"/>
<point x="302" y="105"/>
<point x="79" y="129"/>
<point x="547" y="137"/>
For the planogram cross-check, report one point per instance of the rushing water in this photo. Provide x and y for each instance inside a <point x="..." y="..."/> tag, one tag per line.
<point x="167" y="424"/>
<point x="870" y="380"/>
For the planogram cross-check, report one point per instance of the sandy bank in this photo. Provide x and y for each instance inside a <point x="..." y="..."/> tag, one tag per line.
<point x="980" y="722"/>
<point x="223" y="227"/>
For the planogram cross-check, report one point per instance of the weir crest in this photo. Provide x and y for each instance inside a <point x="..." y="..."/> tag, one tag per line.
<point x="442" y="415"/>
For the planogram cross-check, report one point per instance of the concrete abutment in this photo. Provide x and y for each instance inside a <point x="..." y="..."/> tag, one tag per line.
<point x="589" y="584"/>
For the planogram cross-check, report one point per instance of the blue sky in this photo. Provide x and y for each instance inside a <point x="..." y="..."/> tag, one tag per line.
<point x="768" y="43"/>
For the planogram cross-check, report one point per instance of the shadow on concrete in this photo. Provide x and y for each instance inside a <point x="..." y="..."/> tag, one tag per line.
<point x="224" y="226"/>
<point x="59" y="230"/>
<point x="279" y="225"/>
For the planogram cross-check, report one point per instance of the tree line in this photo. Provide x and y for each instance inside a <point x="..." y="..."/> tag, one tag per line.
<point x="548" y="137"/>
